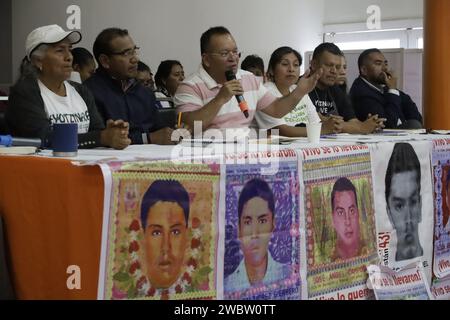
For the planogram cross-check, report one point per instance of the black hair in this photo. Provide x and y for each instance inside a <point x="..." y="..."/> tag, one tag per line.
<point x="102" y="44"/>
<point x="277" y="56"/>
<point x="403" y="159"/>
<point x="252" y="61"/>
<point x="207" y="35"/>
<point x="343" y="184"/>
<point x="256" y="188"/>
<point x="163" y="72"/>
<point x="362" y="59"/>
<point x="81" y="56"/>
<point x="141" y="67"/>
<point x="164" y="190"/>
<point x="326" y="47"/>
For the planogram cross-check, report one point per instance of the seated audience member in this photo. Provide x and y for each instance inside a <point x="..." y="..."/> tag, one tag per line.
<point x="330" y="101"/>
<point x="208" y="96"/>
<point x="341" y="80"/>
<point x="283" y="73"/>
<point x="255" y="65"/>
<point x="118" y="94"/>
<point x="83" y="63"/>
<point x="145" y="76"/>
<point x="168" y="77"/>
<point x="42" y="96"/>
<point x="376" y="92"/>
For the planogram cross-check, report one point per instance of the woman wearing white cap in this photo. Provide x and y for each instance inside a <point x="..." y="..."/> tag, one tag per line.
<point x="44" y="97"/>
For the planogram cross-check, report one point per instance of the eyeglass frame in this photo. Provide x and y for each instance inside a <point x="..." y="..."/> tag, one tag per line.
<point x="225" y="53"/>
<point x="128" y="53"/>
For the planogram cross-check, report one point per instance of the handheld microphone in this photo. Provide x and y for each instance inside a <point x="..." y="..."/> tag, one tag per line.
<point x="240" y="99"/>
<point x="9" y="141"/>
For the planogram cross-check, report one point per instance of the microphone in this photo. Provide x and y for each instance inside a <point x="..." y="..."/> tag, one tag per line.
<point x="240" y="99"/>
<point x="9" y="141"/>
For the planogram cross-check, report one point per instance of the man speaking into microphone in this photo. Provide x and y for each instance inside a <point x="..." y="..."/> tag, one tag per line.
<point x="208" y="94"/>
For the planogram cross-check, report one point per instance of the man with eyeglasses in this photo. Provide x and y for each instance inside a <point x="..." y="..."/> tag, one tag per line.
<point x="207" y="96"/>
<point x="330" y="100"/>
<point x="119" y="95"/>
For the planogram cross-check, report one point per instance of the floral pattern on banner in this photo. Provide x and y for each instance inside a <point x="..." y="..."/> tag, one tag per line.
<point x="126" y="262"/>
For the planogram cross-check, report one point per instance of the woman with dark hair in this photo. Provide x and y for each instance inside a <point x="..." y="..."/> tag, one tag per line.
<point x="83" y="63"/>
<point x="43" y="96"/>
<point x="283" y="74"/>
<point x="168" y="77"/>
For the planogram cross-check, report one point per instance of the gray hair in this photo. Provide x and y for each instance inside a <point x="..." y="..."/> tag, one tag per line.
<point x="39" y="52"/>
<point x="28" y="67"/>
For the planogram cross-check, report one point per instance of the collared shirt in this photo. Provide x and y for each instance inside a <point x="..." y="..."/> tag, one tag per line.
<point x="238" y="280"/>
<point x="381" y="90"/>
<point x="200" y="88"/>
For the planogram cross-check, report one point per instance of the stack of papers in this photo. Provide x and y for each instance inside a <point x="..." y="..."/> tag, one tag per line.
<point x="17" y="150"/>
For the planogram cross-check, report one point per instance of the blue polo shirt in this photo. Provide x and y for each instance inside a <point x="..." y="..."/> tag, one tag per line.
<point x="136" y="105"/>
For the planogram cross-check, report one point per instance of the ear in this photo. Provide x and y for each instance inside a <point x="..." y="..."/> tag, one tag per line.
<point x="104" y="61"/>
<point x="76" y="67"/>
<point x="314" y="65"/>
<point x="205" y="60"/>
<point x="363" y="71"/>
<point x="37" y="62"/>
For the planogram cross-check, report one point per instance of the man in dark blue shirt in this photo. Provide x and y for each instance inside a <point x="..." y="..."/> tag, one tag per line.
<point x="375" y="92"/>
<point x="118" y="95"/>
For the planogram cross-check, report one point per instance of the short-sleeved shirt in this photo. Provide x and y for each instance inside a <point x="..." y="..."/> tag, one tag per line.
<point x="200" y="88"/>
<point x="68" y="109"/>
<point x="332" y="101"/>
<point x="304" y="111"/>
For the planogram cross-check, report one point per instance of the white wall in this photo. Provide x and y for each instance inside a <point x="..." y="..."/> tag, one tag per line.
<point x="350" y="11"/>
<point x="171" y="29"/>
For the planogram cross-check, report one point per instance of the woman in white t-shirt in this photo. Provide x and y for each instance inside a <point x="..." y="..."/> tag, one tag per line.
<point x="43" y="96"/>
<point x="168" y="77"/>
<point x="283" y="73"/>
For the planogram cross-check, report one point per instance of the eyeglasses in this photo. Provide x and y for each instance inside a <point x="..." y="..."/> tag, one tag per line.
<point x="226" y="53"/>
<point x="128" y="53"/>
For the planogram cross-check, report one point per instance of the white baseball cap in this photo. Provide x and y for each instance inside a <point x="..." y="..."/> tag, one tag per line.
<point x="48" y="35"/>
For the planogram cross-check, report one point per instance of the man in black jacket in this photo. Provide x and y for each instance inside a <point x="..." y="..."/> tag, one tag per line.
<point x="118" y="95"/>
<point x="376" y="92"/>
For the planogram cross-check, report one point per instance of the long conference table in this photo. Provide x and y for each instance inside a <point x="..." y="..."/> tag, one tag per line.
<point x="52" y="212"/>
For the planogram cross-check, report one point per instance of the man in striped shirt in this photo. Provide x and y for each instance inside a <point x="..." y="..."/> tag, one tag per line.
<point x="207" y="96"/>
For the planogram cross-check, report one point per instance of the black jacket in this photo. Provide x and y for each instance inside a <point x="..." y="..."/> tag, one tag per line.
<point x="26" y="116"/>
<point x="387" y="105"/>
<point x="136" y="105"/>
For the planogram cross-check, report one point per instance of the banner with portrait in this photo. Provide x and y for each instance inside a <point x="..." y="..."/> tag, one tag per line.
<point x="441" y="179"/>
<point x="262" y="241"/>
<point x="340" y="223"/>
<point x="160" y="231"/>
<point x="403" y="203"/>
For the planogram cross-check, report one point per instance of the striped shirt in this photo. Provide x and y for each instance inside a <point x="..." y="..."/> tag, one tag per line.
<point x="200" y="88"/>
